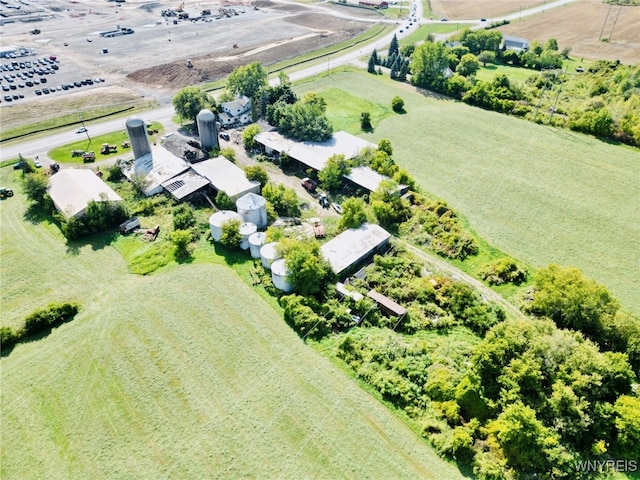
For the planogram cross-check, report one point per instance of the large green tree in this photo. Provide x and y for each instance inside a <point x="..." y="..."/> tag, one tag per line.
<point x="331" y="175"/>
<point x="305" y="120"/>
<point x="249" y="135"/>
<point x="247" y="80"/>
<point x="189" y="101"/>
<point x="354" y="213"/>
<point x="572" y="300"/>
<point x="309" y="272"/>
<point x="429" y="64"/>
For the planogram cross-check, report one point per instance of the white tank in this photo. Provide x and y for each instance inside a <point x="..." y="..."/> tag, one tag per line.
<point x="269" y="254"/>
<point x="246" y="230"/>
<point x="280" y="275"/>
<point x="217" y="219"/>
<point x="137" y="131"/>
<point x="207" y="131"/>
<point x="256" y="241"/>
<point x="253" y="208"/>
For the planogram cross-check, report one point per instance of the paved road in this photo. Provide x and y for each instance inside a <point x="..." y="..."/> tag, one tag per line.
<point x="165" y="113"/>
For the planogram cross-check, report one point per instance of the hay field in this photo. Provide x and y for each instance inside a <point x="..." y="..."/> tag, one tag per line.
<point x="467" y="9"/>
<point x="539" y="194"/>
<point x="183" y="374"/>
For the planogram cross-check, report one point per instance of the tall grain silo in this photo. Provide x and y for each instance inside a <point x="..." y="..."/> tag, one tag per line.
<point x="280" y="276"/>
<point x="256" y="241"/>
<point x="207" y="130"/>
<point x="253" y="208"/>
<point x="137" y="131"/>
<point x="218" y="219"/>
<point x="246" y="230"/>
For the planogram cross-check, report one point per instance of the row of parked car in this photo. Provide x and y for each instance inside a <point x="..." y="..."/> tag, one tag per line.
<point x="22" y="74"/>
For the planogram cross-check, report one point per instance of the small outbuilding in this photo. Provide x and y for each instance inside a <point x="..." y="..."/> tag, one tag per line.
<point x="387" y="305"/>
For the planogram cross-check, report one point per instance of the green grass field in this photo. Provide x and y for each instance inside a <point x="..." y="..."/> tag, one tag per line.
<point x="187" y="373"/>
<point x="539" y="194"/>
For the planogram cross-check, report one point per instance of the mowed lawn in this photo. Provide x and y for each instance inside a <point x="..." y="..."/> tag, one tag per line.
<point x="184" y="374"/>
<point x="539" y="194"/>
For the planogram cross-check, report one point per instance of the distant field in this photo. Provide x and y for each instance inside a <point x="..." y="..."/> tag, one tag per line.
<point x="539" y="194"/>
<point x="171" y="376"/>
<point x="579" y="26"/>
<point x="468" y="9"/>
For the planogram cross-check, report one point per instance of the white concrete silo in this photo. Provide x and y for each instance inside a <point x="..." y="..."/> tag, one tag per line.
<point x="280" y="275"/>
<point x="246" y="230"/>
<point x="218" y="219"/>
<point x="137" y="131"/>
<point x="253" y="208"/>
<point x="269" y="254"/>
<point x="207" y="130"/>
<point x="256" y="241"/>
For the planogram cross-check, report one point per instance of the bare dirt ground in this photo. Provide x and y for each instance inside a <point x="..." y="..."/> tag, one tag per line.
<point x="322" y="30"/>
<point x="467" y="9"/>
<point x="578" y="26"/>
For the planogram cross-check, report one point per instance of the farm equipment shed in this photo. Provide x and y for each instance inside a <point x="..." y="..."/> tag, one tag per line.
<point x="353" y="246"/>
<point x="225" y="176"/>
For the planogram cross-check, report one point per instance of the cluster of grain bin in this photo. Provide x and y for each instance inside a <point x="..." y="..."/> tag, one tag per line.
<point x="280" y="275"/>
<point x="253" y="208"/>
<point x="217" y="220"/>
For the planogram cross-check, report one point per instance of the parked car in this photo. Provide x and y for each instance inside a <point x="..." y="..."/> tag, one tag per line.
<point x="224" y="136"/>
<point x="37" y="164"/>
<point x="309" y="185"/>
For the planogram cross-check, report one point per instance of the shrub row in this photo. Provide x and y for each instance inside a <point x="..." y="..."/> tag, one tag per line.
<point x="39" y="321"/>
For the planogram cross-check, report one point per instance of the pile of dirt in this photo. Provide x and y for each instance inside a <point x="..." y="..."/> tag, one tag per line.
<point x="207" y="68"/>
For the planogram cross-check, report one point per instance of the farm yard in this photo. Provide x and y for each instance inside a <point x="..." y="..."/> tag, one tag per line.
<point x="170" y="376"/>
<point x="540" y="205"/>
<point x="183" y="362"/>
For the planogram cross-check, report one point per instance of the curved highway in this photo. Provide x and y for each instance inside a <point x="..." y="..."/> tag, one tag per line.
<point x="164" y="114"/>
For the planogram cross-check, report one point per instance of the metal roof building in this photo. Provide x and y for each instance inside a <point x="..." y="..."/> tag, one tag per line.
<point x="354" y="245"/>
<point x="366" y="177"/>
<point x="314" y="154"/>
<point x="156" y="167"/>
<point x="225" y="176"/>
<point x="72" y="189"/>
<point x="185" y="184"/>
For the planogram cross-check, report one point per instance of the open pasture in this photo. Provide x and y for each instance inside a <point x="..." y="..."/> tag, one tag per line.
<point x="170" y="376"/>
<point x="537" y="193"/>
